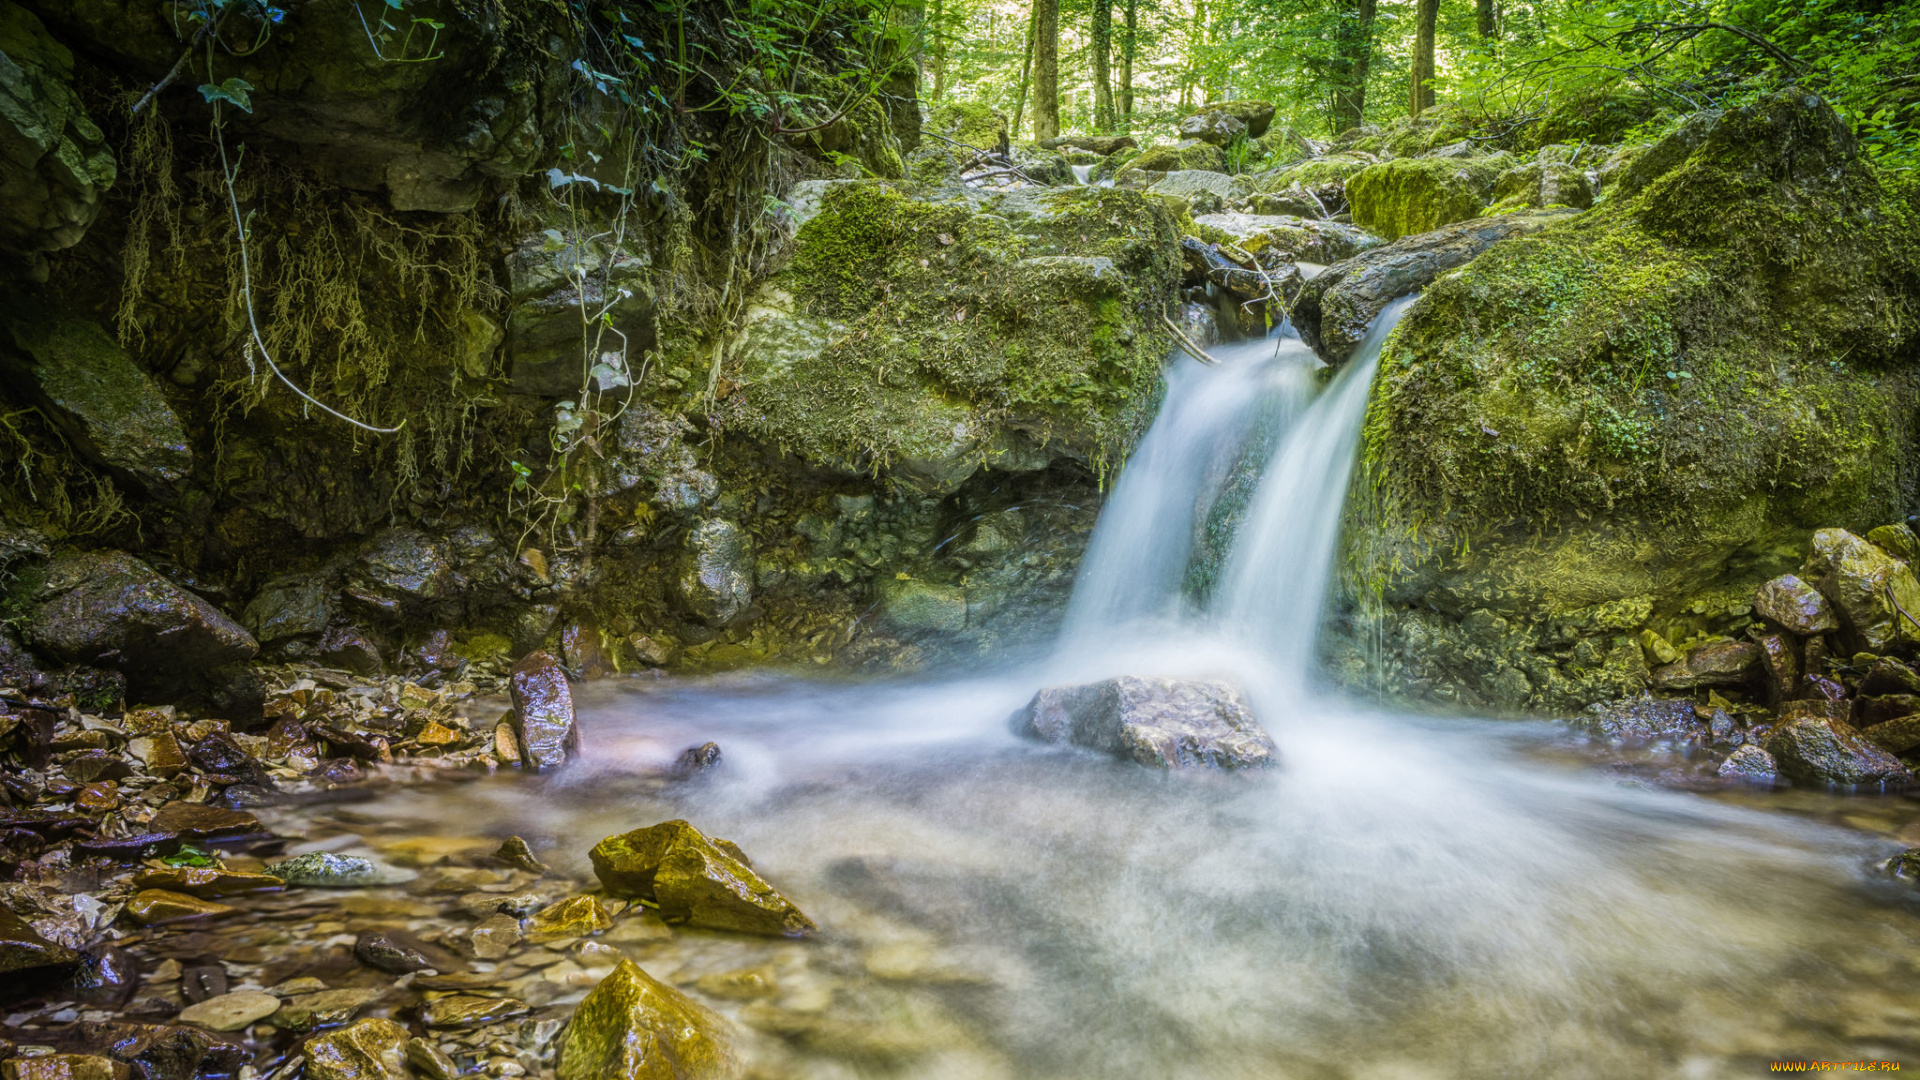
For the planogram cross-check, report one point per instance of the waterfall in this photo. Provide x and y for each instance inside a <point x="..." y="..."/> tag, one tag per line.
<point x="1083" y="173"/>
<point x="1277" y="570"/>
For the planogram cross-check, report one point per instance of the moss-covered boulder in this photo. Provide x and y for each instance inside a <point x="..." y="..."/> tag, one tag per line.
<point x="635" y="1027"/>
<point x="1163" y="159"/>
<point x="1633" y="417"/>
<point x="975" y="124"/>
<point x="1202" y="192"/>
<point x="696" y="880"/>
<point x="928" y="339"/>
<point x="1415" y="195"/>
<point x="1541" y="184"/>
<point x="1293" y="239"/>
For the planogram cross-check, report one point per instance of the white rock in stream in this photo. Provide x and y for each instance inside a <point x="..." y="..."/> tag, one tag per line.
<point x="1171" y="723"/>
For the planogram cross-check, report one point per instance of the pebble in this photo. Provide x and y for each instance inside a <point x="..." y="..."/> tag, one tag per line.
<point x="469" y="1011"/>
<point x="377" y="950"/>
<point x="231" y="1012"/>
<point x="576" y="916"/>
<point x="152" y="907"/>
<point x="430" y="1061"/>
<point x="495" y="936"/>
<point x="322" y="869"/>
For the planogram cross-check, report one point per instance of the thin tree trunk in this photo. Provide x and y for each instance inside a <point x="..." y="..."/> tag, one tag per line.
<point x="1128" y="43"/>
<point x="1046" y="69"/>
<point x="1420" y="97"/>
<point x="1102" y="47"/>
<point x="1196" y="44"/>
<point x="1351" y="69"/>
<point x="1026" y="71"/>
<point x="1484" y="12"/>
<point x="938" y="47"/>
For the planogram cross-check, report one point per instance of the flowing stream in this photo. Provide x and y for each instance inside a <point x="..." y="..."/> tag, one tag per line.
<point x="1403" y="898"/>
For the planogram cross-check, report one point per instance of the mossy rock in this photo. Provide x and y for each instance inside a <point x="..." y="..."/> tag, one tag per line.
<point x="1539" y="184"/>
<point x="635" y="1027"/>
<point x="929" y="339"/>
<point x="974" y="123"/>
<point x="1163" y="159"/>
<point x="1416" y="195"/>
<point x="1660" y="397"/>
<point x="1313" y="173"/>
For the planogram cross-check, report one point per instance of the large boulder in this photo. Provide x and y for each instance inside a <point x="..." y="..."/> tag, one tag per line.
<point x="1541" y="184"/>
<point x="635" y="1027"/>
<point x="55" y="165"/>
<point x="108" y="609"/>
<point x="695" y="880"/>
<point x="1202" y="192"/>
<point x="105" y="404"/>
<point x="1256" y="114"/>
<point x="1169" y="723"/>
<point x="1334" y="310"/>
<point x="1416" y="195"/>
<point x="543" y="716"/>
<point x="927" y="340"/>
<point x="1825" y="751"/>
<point x="715" y="582"/>
<point x="1215" y="128"/>
<point x="1293" y="239"/>
<point x="403" y="572"/>
<point x="1605" y="411"/>
<point x="1795" y="605"/>
<point x="1191" y="154"/>
<point x="1868" y="587"/>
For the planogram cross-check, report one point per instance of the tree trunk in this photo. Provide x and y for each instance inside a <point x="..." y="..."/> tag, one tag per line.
<point x="1421" y="96"/>
<point x="1046" y="69"/>
<point x="1026" y="72"/>
<point x="1350" y="69"/>
<point x="1484" y="12"/>
<point x="1196" y="46"/>
<point x="937" y="47"/>
<point x="1128" y="43"/>
<point x="1102" y="48"/>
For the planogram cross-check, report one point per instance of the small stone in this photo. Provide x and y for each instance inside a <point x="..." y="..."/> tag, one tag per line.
<point x="324" y="1008"/>
<point x="1659" y="649"/>
<point x="638" y="1028"/>
<point x="514" y="852"/>
<point x="98" y="798"/>
<point x="434" y="733"/>
<point x="505" y="746"/>
<point x="63" y="1067"/>
<point x="377" y="950"/>
<point x="152" y="907"/>
<point x="495" y="936"/>
<point x="542" y="716"/>
<point x="1716" y="663"/>
<point x="22" y="947"/>
<point x="695" y="881"/>
<point x="325" y="870"/>
<point x="745" y="984"/>
<point x="1904" y="867"/>
<point x="159" y="752"/>
<point x="1749" y="763"/>
<point x="430" y="1061"/>
<point x="198" y="821"/>
<point x="87" y="766"/>
<point x="1795" y="605"/>
<point x="231" y="1012"/>
<point x="469" y="1011"/>
<point x="206" y="882"/>
<point x="369" y="1049"/>
<point x="1830" y="751"/>
<point x="1895" y="736"/>
<point x="576" y="916"/>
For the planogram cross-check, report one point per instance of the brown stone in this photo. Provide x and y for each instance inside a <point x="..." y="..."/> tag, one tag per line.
<point x="1816" y="709"/>
<point x="1717" y="663"/>
<point x="1782" y="664"/>
<point x="1889" y="676"/>
<point x="371" y="1049"/>
<point x="151" y="907"/>
<point x="199" y="821"/>
<point x="64" y="1067"/>
<point x="98" y="798"/>
<point x="160" y="752"/>
<point x="1895" y="736"/>
<point x="469" y="1011"/>
<point x="88" y="766"/>
<point x="543" y="716"/>
<point x="1795" y="605"/>
<point x="695" y="880"/>
<point x="435" y="733"/>
<point x="1869" y="711"/>
<point x="206" y="882"/>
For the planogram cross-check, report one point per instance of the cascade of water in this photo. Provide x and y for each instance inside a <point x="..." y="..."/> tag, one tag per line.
<point x="1082" y="173"/>
<point x="1276" y="578"/>
<point x="1136" y="563"/>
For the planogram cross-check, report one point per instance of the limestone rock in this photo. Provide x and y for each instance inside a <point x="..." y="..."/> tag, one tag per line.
<point x="1216" y="128"/>
<point x="1296" y="239"/>
<point x="105" y="403"/>
<point x="403" y="572"/>
<point x="1640" y="719"/>
<point x="231" y="1012"/>
<point x="695" y="880"/>
<point x="716" y="574"/>
<point x="543" y="715"/>
<point x="546" y="289"/>
<point x="1867" y="587"/>
<point x="1540" y="184"/>
<point x="1410" y="196"/>
<point x="22" y="947"/>
<point x="1163" y="159"/>
<point x="1717" y="663"/>
<point x="55" y="164"/>
<point x="1256" y="114"/>
<point x="1335" y="308"/>
<point x="576" y="916"/>
<point x="109" y="609"/>
<point x="325" y="870"/>
<point x="1202" y="192"/>
<point x="1831" y="752"/>
<point x="638" y="1028"/>
<point x="1898" y="541"/>
<point x="369" y="1049"/>
<point x="1104" y="145"/>
<point x="1748" y="763"/>
<point x="1170" y="723"/>
<point x="925" y="606"/>
<point x="62" y="1066"/>
<point x="469" y="1011"/>
<point x="495" y="936"/>
<point x="1797" y="606"/>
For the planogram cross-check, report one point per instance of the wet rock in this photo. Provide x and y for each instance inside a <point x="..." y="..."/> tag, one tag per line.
<point x="924" y="606"/>
<point x="231" y="1012"/>
<point x="198" y="821"/>
<point x="154" y="907"/>
<point x="353" y="649"/>
<point x="1895" y="736"/>
<point x="1817" y="708"/>
<point x="634" y="1026"/>
<point x="1868" y="711"/>
<point x="202" y="981"/>
<point x="1170" y="723"/>
<point x="326" y="870"/>
<point x="430" y="1061"/>
<point x="98" y="798"/>
<point x="1717" y="663"/>
<point x="1335" y="308"/>
<point x="220" y="754"/>
<point x="377" y="950"/>
<point x="695" y="880"/>
<point x="715" y="582"/>
<point x="369" y="1049"/>
<point x="63" y="1067"/>
<point x="1889" y="676"/>
<point x="104" y="402"/>
<point x="1867" y="587"/>
<point x="695" y="760"/>
<point x="542" y="717"/>
<point x="1749" y="763"/>
<point x="495" y="936"/>
<point x="206" y="882"/>
<point x="576" y="916"/>
<point x="1899" y="541"/>
<point x="1795" y="605"/>
<point x="1904" y="867"/>
<point x="58" y="164"/>
<point x="1293" y="239"/>
<point x="1203" y="192"/>
<point x="22" y="947"/>
<point x="323" y="1008"/>
<point x="651" y="453"/>
<point x="289" y="607"/>
<point x="1820" y="750"/>
<point x="403" y="573"/>
<point x="164" y="1051"/>
<point x="159" y="753"/>
<point x="1782" y="664"/>
<point x="109" y="609"/>
<point x="469" y="1011"/>
<point x="88" y="766"/>
<point x="546" y="289"/>
<point x="514" y="852"/>
<point x="1213" y="128"/>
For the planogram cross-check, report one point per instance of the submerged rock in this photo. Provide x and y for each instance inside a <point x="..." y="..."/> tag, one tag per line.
<point x="1171" y="723"/>
<point x="1868" y="587"/>
<point x="543" y="715"/>
<point x="635" y="1027"/>
<point x="695" y="880"/>
<point x="22" y="947"/>
<point x="322" y="869"/>
<point x="371" y="1049"/>
<point x="155" y="907"/>
<point x="1749" y="763"/>
<point x="231" y="1012"/>
<point x="1830" y="751"/>
<point x="1641" y="719"/>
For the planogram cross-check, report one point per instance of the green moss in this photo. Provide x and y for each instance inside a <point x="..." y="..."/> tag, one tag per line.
<point x="1170" y="158"/>
<point x="971" y="122"/>
<point x="1416" y="195"/>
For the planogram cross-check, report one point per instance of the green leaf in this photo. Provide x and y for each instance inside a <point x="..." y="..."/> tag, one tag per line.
<point x="236" y="90"/>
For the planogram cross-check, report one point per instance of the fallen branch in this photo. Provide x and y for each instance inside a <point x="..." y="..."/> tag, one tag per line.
<point x="1186" y="343"/>
<point x="210" y="27"/>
